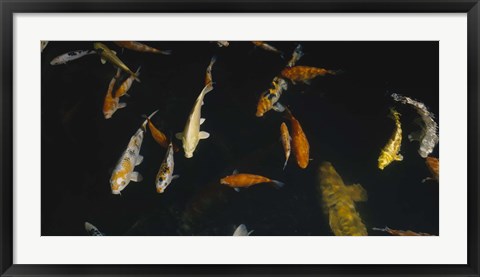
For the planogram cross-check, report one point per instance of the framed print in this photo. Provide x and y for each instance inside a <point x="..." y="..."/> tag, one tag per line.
<point x="255" y="138"/>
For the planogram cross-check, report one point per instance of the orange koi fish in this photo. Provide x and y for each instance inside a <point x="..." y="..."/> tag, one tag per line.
<point x="301" y="147"/>
<point x="285" y="136"/>
<point x="268" y="47"/>
<point x="159" y="137"/>
<point x="304" y="74"/>
<point x="269" y="99"/>
<point x="244" y="180"/>
<point x="125" y="86"/>
<point x="400" y="232"/>
<point x="140" y="47"/>
<point x="433" y="166"/>
<point x="111" y="104"/>
<point x="208" y="77"/>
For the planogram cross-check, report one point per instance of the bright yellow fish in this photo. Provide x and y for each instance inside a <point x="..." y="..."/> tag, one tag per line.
<point x="391" y="150"/>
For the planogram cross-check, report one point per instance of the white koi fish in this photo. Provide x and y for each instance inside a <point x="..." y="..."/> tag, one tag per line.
<point x="92" y="230"/>
<point x="123" y="172"/>
<point x="70" y="56"/>
<point x="242" y="231"/>
<point x="191" y="134"/>
<point x="43" y="44"/>
<point x="223" y="43"/>
<point x="165" y="173"/>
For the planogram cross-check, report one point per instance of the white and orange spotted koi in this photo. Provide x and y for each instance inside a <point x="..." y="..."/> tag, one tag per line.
<point x="123" y="172"/>
<point x="165" y="173"/>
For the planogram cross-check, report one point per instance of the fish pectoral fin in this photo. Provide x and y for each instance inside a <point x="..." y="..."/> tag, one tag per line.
<point x="415" y="136"/>
<point x="307" y="82"/>
<point x="114" y="52"/>
<point x="202" y="120"/>
<point x="121" y="105"/>
<point x="139" y="160"/>
<point x="278" y="107"/>
<point x="237" y="189"/>
<point x="175" y="177"/>
<point x="399" y="157"/>
<point x="136" y="177"/>
<point x="179" y="136"/>
<point x="203" y="135"/>
<point x="103" y="60"/>
<point x="235" y="172"/>
<point x="250" y="232"/>
<point x="357" y="193"/>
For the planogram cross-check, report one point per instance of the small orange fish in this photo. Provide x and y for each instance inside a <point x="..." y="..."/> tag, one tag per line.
<point x="111" y="104"/>
<point x="300" y="145"/>
<point x="160" y="137"/>
<point x="400" y="232"/>
<point x="208" y="77"/>
<point x="267" y="47"/>
<point x="244" y="180"/>
<point x="125" y="86"/>
<point x="434" y="166"/>
<point x="304" y="73"/>
<point x="140" y="47"/>
<point x="285" y="136"/>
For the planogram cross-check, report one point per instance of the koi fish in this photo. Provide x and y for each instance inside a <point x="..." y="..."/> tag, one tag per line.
<point x="433" y="166"/>
<point x="296" y="55"/>
<point x="191" y="135"/>
<point x="400" y="232"/>
<point x="125" y="86"/>
<point x="165" y="173"/>
<point x="269" y="99"/>
<point x="428" y="135"/>
<point x="268" y="47"/>
<point x="43" y="44"/>
<point x="208" y="77"/>
<point x="338" y="202"/>
<point x="92" y="230"/>
<point x="70" y="56"/>
<point x="140" y="47"/>
<point x="123" y="172"/>
<point x="159" y="136"/>
<point x="304" y="74"/>
<point x="223" y="43"/>
<point x="241" y="231"/>
<point x="111" y="104"/>
<point x="391" y="150"/>
<point x="300" y="145"/>
<point x="244" y="180"/>
<point x="108" y="55"/>
<point x="285" y="137"/>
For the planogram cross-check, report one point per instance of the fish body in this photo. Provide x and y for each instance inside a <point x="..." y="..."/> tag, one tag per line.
<point x="428" y="135"/>
<point x="70" y="56"/>
<point x="391" y="150"/>
<point x="241" y="231"/>
<point x="434" y="166"/>
<point x="400" y="232"/>
<point x="285" y="137"/>
<point x="191" y="134"/>
<point x="111" y="104"/>
<point x="245" y="180"/>
<point x="304" y="74"/>
<point x="159" y="136"/>
<point x="339" y="202"/>
<point x="92" y="230"/>
<point x="300" y="145"/>
<point x="267" y="47"/>
<point x="108" y="55"/>
<point x="126" y="85"/>
<point x="43" y="44"/>
<point x="269" y="99"/>
<point x="296" y="55"/>
<point x="223" y="43"/>
<point x="208" y="75"/>
<point x="165" y="173"/>
<point x="140" y="47"/>
<point x="123" y="173"/>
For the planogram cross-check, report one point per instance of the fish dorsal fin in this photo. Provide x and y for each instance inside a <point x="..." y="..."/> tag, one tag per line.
<point x="357" y="192"/>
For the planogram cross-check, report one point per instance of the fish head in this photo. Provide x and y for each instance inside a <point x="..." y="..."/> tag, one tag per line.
<point x="188" y="154"/>
<point x="224" y="181"/>
<point x="55" y="61"/>
<point x="188" y="149"/>
<point x="117" y="185"/>
<point x="161" y="185"/>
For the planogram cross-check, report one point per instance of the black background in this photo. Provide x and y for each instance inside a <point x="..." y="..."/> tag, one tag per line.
<point x="344" y="117"/>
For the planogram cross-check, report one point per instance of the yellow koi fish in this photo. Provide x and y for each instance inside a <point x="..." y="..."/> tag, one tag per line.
<point x="108" y="55"/>
<point x="391" y="150"/>
<point x="123" y="173"/>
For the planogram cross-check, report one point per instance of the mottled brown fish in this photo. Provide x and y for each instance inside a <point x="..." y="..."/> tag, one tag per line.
<point x="304" y="74"/>
<point x="434" y="166"/>
<point x="339" y="202"/>
<point x="300" y="145"/>
<point x="140" y="47"/>
<point x="400" y="232"/>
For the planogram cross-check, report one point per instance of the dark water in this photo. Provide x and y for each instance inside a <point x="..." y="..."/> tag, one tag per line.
<point x="345" y="118"/>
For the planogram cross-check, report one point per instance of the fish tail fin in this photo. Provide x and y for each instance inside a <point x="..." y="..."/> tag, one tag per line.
<point x="285" y="164"/>
<point x="137" y="73"/>
<point x="336" y="72"/>
<point x="386" y="229"/>
<point x="277" y="184"/>
<point x="288" y="113"/>
<point x="136" y="77"/>
<point x="214" y="59"/>
<point x="144" y="124"/>
<point x="165" y="52"/>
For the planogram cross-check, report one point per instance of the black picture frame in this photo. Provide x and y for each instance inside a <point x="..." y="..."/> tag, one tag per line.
<point x="9" y="7"/>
